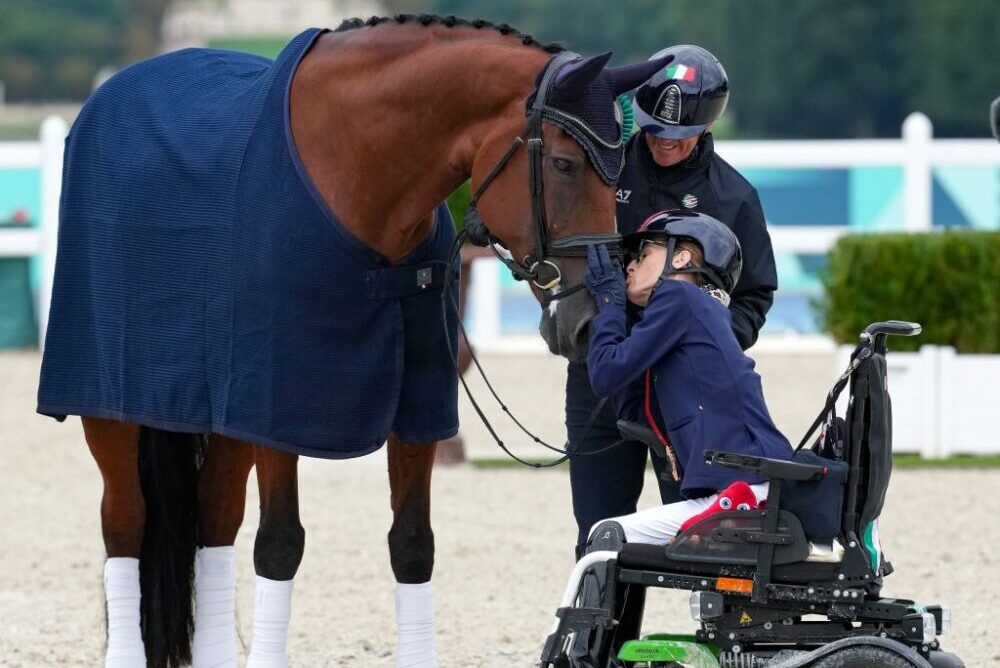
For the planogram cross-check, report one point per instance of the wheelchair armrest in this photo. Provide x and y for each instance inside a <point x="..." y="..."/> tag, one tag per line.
<point x="769" y="468"/>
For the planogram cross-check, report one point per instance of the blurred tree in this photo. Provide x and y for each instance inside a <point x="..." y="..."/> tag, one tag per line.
<point x="956" y="67"/>
<point x="799" y="68"/>
<point x="52" y="49"/>
<point x="143" y="31"/>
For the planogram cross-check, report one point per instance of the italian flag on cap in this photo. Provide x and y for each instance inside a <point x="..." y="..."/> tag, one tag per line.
<point x="682" y="72"/>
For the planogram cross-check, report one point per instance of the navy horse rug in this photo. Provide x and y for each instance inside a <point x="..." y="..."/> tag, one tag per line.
<point x="203" y="285"/>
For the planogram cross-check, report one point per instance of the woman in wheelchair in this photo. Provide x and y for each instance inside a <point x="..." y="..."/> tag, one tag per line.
<point x="680" y="369"/>
<point x="762" y="592"/>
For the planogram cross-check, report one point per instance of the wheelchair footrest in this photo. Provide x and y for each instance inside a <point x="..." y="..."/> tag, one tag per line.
<point x="574" y="620"/>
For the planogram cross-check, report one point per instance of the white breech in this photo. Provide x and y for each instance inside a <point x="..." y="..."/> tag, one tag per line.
<point x="659" y="525"/>
<point x="121" y="587"/>
<point x="415" y="626"/>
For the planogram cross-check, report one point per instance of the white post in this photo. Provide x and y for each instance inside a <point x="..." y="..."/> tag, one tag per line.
<point x="928" y="379"/>
<point x="484" y="300"/>
<point x="917" y="178"/>
<point x="946" y="426"/>
<point x="53" y="139"/>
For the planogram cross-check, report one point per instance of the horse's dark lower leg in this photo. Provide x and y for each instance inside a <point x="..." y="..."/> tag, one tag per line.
<point x="276" y="556"/>
<point x="222" y="486"/>
<point x="411" y="541"/>
<point x="411" y="551"/>
<point x="280" y="536"/>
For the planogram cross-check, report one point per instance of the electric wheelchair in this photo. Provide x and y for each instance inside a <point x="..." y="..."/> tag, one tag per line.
<point x="765" y="591"/>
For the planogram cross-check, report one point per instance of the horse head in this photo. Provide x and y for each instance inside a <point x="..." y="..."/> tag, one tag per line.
<point x="544" y="189"/>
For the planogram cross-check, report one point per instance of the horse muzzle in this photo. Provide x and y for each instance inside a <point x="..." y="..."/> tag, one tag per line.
<point x="565" y="326"/>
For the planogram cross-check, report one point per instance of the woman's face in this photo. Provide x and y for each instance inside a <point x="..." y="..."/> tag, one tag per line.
<point x="643" y="273"/>
<point x="669" y="152"/>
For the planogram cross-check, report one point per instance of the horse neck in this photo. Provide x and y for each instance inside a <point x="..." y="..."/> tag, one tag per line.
<point x="388" y="121"/>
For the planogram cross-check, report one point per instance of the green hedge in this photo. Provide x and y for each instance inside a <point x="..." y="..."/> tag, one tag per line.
<point x="949" y="282"/>
<point x="458" y="202"/>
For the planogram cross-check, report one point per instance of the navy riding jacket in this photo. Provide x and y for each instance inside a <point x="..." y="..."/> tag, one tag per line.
<point x="704" y="389"/>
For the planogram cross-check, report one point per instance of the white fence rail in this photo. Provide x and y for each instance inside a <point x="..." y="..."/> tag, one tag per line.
<point x="47" y="156"/>
<point x="941" y="403"/>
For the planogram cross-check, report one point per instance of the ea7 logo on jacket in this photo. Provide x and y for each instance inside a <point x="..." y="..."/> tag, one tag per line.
<point x="622" y="196"/>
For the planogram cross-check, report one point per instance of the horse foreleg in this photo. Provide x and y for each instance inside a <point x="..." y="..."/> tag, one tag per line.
<point x="411" y="551"/>
<point x="222" y="492"/>
<point x="115" y="447"/>
<point x="276" y="556"/>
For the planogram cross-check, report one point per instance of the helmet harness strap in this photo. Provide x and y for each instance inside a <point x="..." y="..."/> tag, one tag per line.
<point x="668" y="269"/>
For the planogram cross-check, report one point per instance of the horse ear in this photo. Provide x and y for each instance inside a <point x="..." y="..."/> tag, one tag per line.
<point x="574" y="78"/>
<point x="627" y="77"/>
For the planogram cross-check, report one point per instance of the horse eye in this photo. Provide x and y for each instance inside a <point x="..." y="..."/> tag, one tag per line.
<point x="562" y="165"/>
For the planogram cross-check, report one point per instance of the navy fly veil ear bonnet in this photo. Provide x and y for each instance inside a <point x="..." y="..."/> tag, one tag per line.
<point x="590" y="113"/>
<point x="583" y="102"/>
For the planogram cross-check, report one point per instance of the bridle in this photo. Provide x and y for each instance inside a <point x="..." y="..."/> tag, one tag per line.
<point x="532" y="267"/>
<point x="537" y="267"/>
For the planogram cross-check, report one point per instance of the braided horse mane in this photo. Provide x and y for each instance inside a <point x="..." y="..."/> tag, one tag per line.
<point x="449" y="22"/>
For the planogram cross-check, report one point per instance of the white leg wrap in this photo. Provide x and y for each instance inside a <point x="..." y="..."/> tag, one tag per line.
<point x="214" y="643"/>
<point x="121" y="587"/>
<point x="272" y="611"/>
<point x="415" y="626"/>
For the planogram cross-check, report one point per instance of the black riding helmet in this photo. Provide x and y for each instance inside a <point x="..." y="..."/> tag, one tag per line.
<point x="720" y="247"/>
<point x="683" y="98"/>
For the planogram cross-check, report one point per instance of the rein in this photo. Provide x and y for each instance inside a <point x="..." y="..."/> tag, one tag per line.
<point x="537" y="268"/>
<point x="448" y="298"/>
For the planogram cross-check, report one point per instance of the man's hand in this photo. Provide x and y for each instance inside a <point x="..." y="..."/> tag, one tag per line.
<point x="604" y="278"/>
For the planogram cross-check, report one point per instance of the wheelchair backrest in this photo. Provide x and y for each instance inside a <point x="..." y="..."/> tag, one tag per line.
<point x="868" y="449"/>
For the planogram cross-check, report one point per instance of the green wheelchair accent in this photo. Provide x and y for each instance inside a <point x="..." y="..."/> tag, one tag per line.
<point x="670" y="648"/>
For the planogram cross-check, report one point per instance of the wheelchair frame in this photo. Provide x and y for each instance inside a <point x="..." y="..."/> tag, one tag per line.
<point x="758" y="604"/>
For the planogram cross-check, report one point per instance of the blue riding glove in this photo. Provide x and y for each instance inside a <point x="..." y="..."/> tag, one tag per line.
<point x="604" y="278"/>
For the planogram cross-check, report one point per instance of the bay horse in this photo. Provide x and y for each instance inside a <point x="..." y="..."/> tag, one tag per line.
<point x="205" y="194"/>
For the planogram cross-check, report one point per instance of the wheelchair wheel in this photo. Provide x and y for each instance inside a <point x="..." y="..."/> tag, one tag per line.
<point x="862" y="657"/>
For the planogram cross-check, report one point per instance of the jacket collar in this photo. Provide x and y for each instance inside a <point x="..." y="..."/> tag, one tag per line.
<point x="697" y="161"/>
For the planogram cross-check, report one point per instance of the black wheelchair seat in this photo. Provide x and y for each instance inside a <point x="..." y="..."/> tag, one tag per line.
<point x="653" y="558"/>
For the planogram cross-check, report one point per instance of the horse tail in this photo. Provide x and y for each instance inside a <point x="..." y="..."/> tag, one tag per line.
<point x="168" y="474"/>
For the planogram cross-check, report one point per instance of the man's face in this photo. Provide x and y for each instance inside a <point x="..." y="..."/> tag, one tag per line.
<point x="669" y="152"/>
